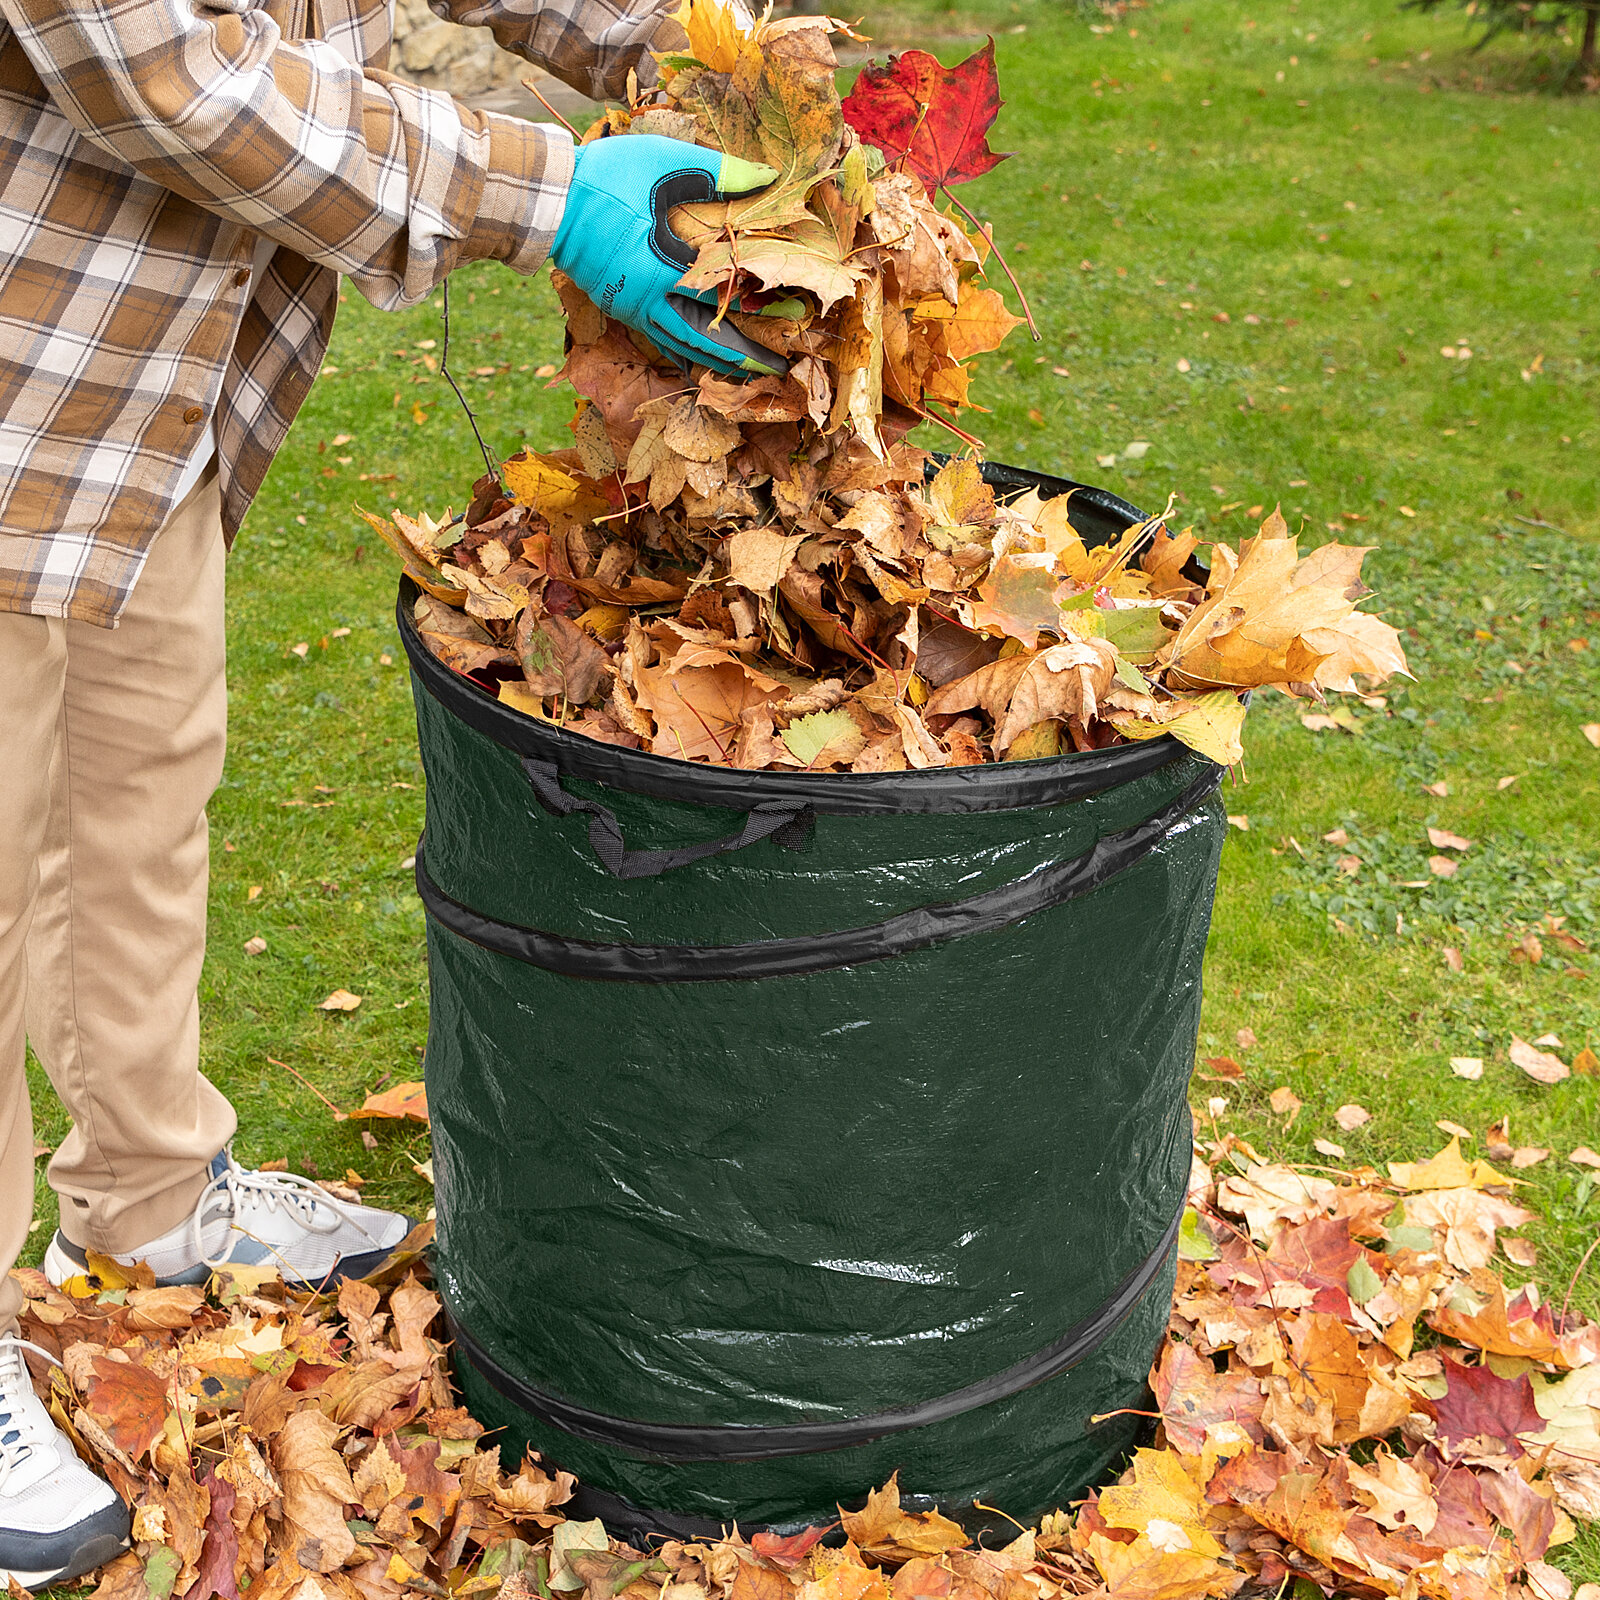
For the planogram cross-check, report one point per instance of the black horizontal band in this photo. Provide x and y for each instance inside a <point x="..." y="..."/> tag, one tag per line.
<point x="1048" y="886"/>
<point x="685" y="1442"/>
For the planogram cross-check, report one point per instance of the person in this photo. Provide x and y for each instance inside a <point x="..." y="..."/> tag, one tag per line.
<point x="183" y="185"/>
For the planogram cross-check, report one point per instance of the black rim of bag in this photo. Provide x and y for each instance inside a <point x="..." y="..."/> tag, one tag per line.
<point x="1001" y="786"/>
<point x="918" y="929"/>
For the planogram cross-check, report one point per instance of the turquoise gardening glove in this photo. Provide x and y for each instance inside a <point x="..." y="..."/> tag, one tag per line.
<point x="616" y="244"/>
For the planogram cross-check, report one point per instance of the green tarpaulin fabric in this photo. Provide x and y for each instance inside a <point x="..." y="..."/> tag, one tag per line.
<point x="856" y="1143"/>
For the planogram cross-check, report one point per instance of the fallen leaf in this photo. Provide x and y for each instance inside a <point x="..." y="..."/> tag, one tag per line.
<point x="316" y="1489"/>
<point x="403" y="1100"/>
<point x="1469" y="1219"/>
<point x="883" y="1530"/>
<point x="1470" y="1067"/>
<point x="130" y="1402"/>
<point x="1448" y="1169"/>
<point x="339" y="1000"/>
<point x="1442" y="840"/>
<point x="1156" y="1489"/>
<point x="1351" y="1117"/>
<point x="1477" y="1404"/>
<point x="1396" y="1494"/>
<point x="1539" y="1065"/>
<point x="824" y="738"/>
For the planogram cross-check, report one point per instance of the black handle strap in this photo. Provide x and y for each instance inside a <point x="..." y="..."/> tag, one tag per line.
<point x="788" y="823"/>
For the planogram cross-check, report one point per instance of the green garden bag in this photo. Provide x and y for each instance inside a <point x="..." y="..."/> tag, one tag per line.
<point x="791" y="1129"/>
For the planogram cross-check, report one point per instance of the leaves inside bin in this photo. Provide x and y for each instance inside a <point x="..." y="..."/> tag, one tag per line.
<point x="715" y="564"/>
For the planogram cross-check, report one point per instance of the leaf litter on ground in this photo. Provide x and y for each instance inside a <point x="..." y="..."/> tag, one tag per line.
<point x="714" y="564"/>
<point x="1350" y="1402"/>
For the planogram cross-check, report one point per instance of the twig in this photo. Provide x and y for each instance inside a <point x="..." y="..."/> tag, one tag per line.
<point x="449" y="377"/>
<point x="1027" y="310"/>
<point x="1577" y="1272"/>
<point x="527" y="83"/>
<point x="933" y="416"/>
<point x="339" y="1116"/>
<point x="995" y="1511"/>
<point x="1534" y="522"/>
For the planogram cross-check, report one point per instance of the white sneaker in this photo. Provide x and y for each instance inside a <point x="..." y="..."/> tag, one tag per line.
<point x="57" y="1519"/>
<point x="250" y="1218"/>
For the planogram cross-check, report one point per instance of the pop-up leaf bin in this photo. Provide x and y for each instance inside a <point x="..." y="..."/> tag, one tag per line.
<point x="793" y="1128"/>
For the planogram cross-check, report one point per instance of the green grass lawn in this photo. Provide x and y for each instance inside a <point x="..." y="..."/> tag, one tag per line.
<point x="1247" y="237"/>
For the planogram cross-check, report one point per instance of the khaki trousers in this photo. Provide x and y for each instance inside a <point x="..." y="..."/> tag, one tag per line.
<point x="111" y="743"/>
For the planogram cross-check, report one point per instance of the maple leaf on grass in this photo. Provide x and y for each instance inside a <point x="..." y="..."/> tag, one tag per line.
<point x="1449" y="1169"/>
<point x="1477" y="1404"/>
<point x="401" y="1101"/>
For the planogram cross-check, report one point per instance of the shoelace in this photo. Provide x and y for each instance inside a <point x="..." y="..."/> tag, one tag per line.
<point x="20" y="1428"/>
<point x="242" y="1189"/>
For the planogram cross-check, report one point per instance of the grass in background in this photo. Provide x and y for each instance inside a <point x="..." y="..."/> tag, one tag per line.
<point x="1247" y="238"/>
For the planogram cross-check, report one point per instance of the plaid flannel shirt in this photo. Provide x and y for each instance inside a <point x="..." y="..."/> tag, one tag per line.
<point x="144" y="147"/>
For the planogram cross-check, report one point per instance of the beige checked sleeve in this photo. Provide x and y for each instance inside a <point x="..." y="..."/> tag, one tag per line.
<point x="590" y="44"/>
<point x="357" y="171"/>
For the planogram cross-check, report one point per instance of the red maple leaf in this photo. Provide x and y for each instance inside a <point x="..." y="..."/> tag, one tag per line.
<point x="221" y="1549"/>
<point x="129" y="1402"/>
<point x="1193" y="1395"/>
<point x="933" y="118"/>
<point x="788" y="1552"/>
<point x="1477" y="1402"/>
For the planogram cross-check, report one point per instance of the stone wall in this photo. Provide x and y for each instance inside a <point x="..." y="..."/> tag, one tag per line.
<point x="441" y="55"/>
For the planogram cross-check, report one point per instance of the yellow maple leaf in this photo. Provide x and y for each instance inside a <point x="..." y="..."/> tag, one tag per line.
<point x="1157" y="1489"/>
<point x="1271" y="618"/>
<point x="1449" y="1169"/>
<point x="883" y="1528"/>
<point x="977" y="323"/>
<point x="540" y="484"/>
<point x="1209" y="723"/>
<point x="716" y="32"/>
<point x="1146" y="1570"/>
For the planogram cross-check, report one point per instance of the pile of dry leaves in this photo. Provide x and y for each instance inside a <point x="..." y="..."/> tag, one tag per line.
<point x="762" y="574"/>
<point x="1351" y="1401"/>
